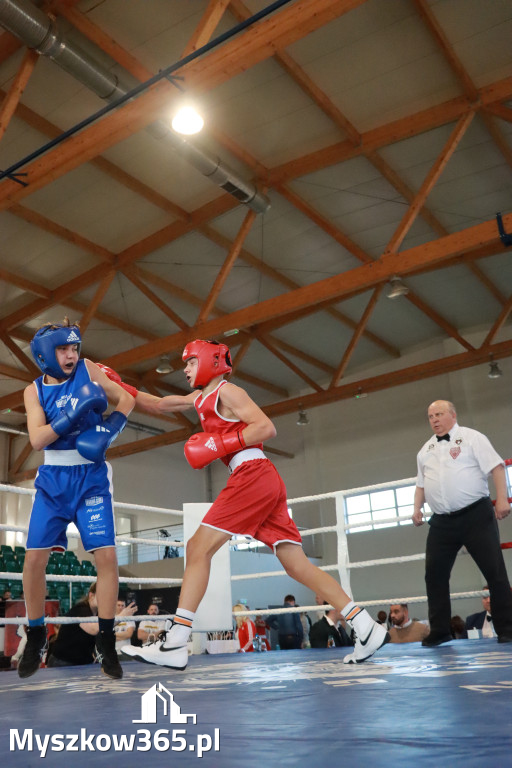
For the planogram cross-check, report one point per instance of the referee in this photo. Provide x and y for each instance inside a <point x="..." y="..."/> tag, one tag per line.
<point x="453" y="467"/>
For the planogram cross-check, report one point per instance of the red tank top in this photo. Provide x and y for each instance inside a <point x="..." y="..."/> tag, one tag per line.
<point x="211" y="420"/>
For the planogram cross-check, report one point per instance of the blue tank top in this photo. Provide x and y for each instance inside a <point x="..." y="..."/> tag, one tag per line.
<point x="53" y="398"/>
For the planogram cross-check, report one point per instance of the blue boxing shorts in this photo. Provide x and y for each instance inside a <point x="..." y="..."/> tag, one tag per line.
<point x="80" y="494"/>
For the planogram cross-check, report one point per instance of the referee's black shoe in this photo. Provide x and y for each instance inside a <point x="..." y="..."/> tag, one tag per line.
<point x="107" y="655"/>
<point x="33" y="651"/>
<point x="435" y="638"/>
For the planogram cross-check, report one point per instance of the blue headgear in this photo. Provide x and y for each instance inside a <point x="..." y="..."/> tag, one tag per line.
<point x="46" y="341"/>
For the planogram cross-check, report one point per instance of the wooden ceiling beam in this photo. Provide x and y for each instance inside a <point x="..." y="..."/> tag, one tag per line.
<point x="227" y="266"/>
<point x="264" y="341"/>
<point x="390" y="133"/>
<point x="26" y="362"/>
<point x="412" y="261"/>
<point x="154" y="299"/>
<point x="430" y="180"/>
<point x="19" y="461"/>
<point x="501" y="111"/>
<point x="274" y="274"/>
<point x="13" y="96"/>
<point x="499" y="323"/>
<point x="340" y="371"/>
<point x="447" y="49"/>
<point x="498" y="137"/>
<point x="24" y="284"/>
<point x="438" y="319"/>
<point x="96" y="300"/>
<point x="47" y="225"/>
<point x="286" y="26"/>
<point x="406" y="375"/>
<point x="207" y="26"/>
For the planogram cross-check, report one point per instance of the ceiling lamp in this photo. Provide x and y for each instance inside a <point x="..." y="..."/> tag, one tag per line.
<point x="187" y="121"/>
<point x="396" y="288"/>
<point x="494" y="370"/>
<point x="303" y="420"/>
<point x="164" y="365"/>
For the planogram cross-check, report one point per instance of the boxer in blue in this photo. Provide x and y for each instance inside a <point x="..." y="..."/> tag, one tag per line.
<point x="74" y="485"/>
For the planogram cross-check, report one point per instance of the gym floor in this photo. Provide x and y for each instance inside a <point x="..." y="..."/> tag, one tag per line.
<point x="408" y="705"/>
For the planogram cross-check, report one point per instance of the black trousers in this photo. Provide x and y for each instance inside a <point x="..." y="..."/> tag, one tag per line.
<point x="477" y="530"/>
<point x="289" y="642"/>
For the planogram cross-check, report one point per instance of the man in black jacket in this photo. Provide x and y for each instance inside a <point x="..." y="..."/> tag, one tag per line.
<point x="328" y="632"/>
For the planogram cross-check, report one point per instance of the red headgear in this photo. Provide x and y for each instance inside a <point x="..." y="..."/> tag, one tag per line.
<point x="213" y="359"/>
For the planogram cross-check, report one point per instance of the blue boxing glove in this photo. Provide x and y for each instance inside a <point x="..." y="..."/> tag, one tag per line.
<point x="90" y="397"/>
<point x="93" y="443"/>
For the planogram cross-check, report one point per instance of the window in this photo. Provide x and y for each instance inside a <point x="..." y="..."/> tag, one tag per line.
<point x="378" y="505"/>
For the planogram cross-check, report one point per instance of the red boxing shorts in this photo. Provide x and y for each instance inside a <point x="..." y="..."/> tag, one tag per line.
<point x="253" y="503"/>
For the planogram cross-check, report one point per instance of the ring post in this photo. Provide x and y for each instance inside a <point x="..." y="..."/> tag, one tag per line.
<point x="343" y="560"/>
<point x="214" y="612"/>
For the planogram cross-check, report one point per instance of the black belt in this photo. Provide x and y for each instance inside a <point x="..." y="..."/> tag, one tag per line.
<point x="468" y="508"/>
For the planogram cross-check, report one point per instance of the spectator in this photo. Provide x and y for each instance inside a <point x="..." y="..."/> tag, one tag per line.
<point x="289" y="626"/>
<point x="149" y="629"/>
<point x="124" y="629"/>
<point x="403" y="629"/>
<point x="261" y="631"/>
<point x="245" y="629"/>
<point x="382" y="618"/>
<point x="453" y="470"/>
<point x="326" y="632"/>
<point x="459" y="631"/>
<point x="483" y="619"/>
<point x="75" y="643"/>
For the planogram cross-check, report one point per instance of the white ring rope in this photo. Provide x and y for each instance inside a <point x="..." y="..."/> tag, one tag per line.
<point x="338" y="496"/>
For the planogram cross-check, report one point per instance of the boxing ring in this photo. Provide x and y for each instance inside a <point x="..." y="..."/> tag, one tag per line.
<point x="280" y="707"/>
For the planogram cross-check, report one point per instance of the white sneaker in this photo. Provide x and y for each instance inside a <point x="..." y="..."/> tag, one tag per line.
<point x="364" y="648"/>
<point x="157" y="653"/>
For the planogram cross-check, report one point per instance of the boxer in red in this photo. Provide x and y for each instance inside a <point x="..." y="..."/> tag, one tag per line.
<point x="253" y="502"/>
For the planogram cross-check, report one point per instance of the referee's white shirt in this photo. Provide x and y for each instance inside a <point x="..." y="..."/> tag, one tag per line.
<point x="454" y="473"/>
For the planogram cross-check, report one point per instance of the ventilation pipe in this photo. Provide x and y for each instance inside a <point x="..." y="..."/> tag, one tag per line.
<point x="37" y="31"/>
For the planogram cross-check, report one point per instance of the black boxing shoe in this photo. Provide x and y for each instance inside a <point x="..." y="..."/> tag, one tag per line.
<point x="33" y="652"/>
<point x="107" y="655"/>
<point x="435" y="638"/>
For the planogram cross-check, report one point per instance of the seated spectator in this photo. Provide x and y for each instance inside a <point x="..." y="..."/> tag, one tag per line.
<point x="327" y="633"/>
<point x="149" y="629"/>
<point x="288" y="625"/>
<point x="382" y="618"/>
<point x="261" y="631"/>
<point x="403" y="629"/>
<point x="483" y="619"/>
<point x="245" y="629"/>
<point x="75" y="644"/>
<point x="124" y="629"/>
<point x="458" y="628"/>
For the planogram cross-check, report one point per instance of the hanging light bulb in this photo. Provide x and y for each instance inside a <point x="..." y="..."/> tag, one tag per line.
<point x="494" y="371"/>
<point x="187" y="121"/>
<point x="303" y="420"/>
<point x="164" y="365"/>
<point x="397" y="288"/>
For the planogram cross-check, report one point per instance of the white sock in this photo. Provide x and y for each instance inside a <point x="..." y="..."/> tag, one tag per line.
<point x="181" y="627"/>
<point x="358" y="618"/>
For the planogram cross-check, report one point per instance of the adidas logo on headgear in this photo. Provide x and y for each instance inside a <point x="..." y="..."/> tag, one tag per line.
<point x="73" y="337"/>
<point x="210" y="443"/>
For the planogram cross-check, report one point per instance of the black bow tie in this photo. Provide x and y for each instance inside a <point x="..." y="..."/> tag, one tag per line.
<point x="489" y="617"/>
<point x="443" y="437"/>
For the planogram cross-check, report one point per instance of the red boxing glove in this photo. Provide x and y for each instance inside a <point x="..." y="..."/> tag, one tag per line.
<point x="203" y="448"/>
<point x="115" y="377"/>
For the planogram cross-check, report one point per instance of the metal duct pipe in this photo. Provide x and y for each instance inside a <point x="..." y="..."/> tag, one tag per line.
<point x="37" y="31"/>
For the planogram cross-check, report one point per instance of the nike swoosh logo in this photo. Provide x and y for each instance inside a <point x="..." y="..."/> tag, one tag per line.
<point x="176" y="648"/>
<point x="363" y="642"/>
